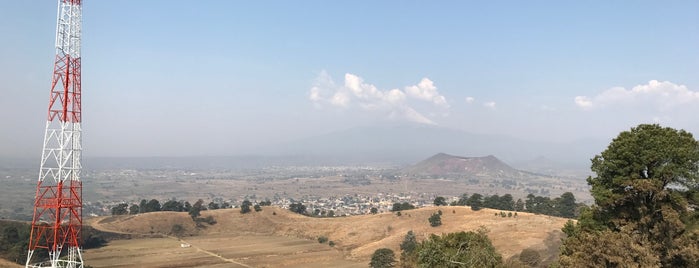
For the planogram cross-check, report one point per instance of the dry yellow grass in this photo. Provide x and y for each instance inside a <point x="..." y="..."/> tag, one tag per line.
<point x="8" y="264"/>
<point x="356" y="237"/>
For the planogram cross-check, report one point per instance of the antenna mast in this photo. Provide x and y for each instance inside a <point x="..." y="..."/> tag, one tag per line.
<point x="57" y="222"/>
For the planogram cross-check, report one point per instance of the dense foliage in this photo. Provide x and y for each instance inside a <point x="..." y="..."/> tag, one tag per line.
<point x="383" y="258"/>
<point x="462" y="249"/>
<point x="440" y="201"/>
<point x="245" y="207"/>
<point x="646" y="199"/>
<point x="298" y="208"/>
<point x="14" y="240"/>
<point x="402" y="206"/>
<point x="563" y="206"/>
<point x="435" y="220"/>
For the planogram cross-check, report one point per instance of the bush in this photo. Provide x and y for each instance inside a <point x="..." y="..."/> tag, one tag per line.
<point x="331" y="243"/>
<point x="177" y="230"/>
<point x="245" y="209"/>
<point x="322" y="239"/>
<point x="383" y="258"/>
<point x="298" y="208"/>
<point x="530" y="257"/>
<point x="435" y="220"/>
<point x="463" y="249"/>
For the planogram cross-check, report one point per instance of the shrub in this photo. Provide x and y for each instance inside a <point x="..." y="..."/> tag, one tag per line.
<point x="322" y="239"/>
<point x="383" y="258"/>
<point x="530" y="257"/>
<point x="435" y="220"/>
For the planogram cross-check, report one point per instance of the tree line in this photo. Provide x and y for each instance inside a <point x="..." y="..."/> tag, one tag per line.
<point x="563" y="206"/>
<point x="154" y="205"/>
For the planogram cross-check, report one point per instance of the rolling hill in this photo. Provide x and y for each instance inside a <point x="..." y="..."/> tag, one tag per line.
<point x="258" y="239"/>
<point x="443" y="164"/>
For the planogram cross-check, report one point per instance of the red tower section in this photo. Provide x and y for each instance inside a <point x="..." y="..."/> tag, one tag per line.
<point x="57" y="222"/>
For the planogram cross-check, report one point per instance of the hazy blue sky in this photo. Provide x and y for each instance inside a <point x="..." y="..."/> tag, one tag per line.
<point x="222" y="77"/>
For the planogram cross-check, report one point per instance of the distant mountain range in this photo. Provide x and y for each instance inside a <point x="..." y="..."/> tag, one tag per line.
<point x="407" y="144"/>
<point x="399" y="145"/>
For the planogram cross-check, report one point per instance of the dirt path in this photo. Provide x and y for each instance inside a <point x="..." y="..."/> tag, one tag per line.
<point x="98" y="225"/>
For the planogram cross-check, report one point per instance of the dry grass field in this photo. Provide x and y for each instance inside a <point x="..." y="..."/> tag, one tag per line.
<point x="276" y="237"/>
<point x="8" y="264"/>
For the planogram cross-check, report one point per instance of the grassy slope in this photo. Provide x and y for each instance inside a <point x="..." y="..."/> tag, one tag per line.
<point x="357" y="236"/>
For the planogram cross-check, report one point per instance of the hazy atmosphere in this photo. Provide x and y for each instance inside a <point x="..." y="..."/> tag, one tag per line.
<point x="348" y="134"/>
<point x="183" y="78"/>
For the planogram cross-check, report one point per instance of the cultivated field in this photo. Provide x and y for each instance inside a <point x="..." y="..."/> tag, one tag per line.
<point x="276" y="237"/>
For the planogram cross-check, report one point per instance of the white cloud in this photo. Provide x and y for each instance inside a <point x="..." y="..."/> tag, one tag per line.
<point x="396" y="103"/>
<point x="583" y="102"/>
<point x="340" y="99"/>
<point x="490" y="105"/>
<point x="655" y="95"/>
<point x="470" y="100"/>
<point x="425" y="90"/>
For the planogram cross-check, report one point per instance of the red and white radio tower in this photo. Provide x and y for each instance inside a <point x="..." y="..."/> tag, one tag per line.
<point x="57" y="221"/>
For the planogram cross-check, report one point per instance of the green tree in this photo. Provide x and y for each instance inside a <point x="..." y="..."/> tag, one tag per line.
<point x="642" y="190"/>
<point x="492" y="201"/>
<point x="322" y="239"/>
<point x="134" y="209"/>
<point x="298" y="208"/>
<point x="142" y="206"/>
<point x="383" y="258"/>
<point x="407" y="248"/>
<point x="440" y="201"/>
<point x="120" y="209"/>
<point x="566" y="205"/>
<point x="463" y="200"/>
<point x="374" y="210"/>
<point x="172" y="205"/>
<point x="475" y="201"/>
<point x="462" y="249"/>
<point x="245" y="207"/>
<point x="213" y="205"/>
<point x="257" y="207"/>
<point x="507" y="202"/>
<point x="435" y="220"/>
<point x="402" y="206"/>
<point x="519" y="205"/>
<point x="195" y="210"/>
<point x="153" y="205"/>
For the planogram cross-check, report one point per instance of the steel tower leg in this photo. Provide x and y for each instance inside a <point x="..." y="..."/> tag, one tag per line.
<point x="55" y="239"/>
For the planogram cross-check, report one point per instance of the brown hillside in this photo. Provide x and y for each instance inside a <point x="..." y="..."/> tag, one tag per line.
<point x="8" y="264"/>
<point x="357" y="236"/>
<point x="443" y="164"/>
